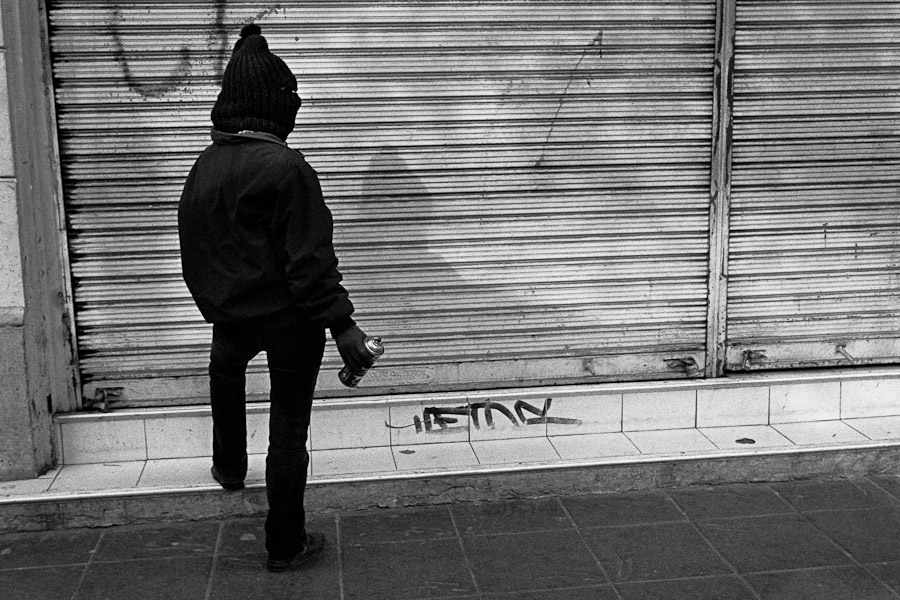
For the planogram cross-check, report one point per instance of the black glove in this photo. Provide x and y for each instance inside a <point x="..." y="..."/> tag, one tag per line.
<point x="351" y="345"/>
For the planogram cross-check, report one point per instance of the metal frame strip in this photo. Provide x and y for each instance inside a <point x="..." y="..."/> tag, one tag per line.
<point x="720" y="187"/>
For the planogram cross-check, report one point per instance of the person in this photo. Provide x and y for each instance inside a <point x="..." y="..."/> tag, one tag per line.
<point x="258" y="259"/>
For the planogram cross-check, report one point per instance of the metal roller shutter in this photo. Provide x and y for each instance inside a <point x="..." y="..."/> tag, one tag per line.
<point x="520" y="189"/>
<point x="814" y="262"/>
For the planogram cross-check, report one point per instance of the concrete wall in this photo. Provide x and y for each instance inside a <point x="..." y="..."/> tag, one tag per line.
<point x="16" y="443"/>
<point x="37" y="364"/>
<point x="12" y="295"/>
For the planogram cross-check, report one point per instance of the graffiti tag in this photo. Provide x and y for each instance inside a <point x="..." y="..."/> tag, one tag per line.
<point x="444" y="419"/>
<point x="180" y="76"/>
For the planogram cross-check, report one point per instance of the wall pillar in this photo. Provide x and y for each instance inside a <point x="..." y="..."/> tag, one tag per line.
<point x="37" y="361"/>
<point x="18" y="454"/>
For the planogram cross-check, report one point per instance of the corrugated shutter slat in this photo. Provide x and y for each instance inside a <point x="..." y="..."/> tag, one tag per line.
<point x="520" y="189"/>
<point x="815" y="216"/>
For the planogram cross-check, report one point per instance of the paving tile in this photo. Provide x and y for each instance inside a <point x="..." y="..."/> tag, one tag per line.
<point x="406" y="570"/>
<point x="182" y="578"/>
<point x="28" y="487"/>
<point x="179" y="436"/>
<point x="833" y="495"/>
<point x="431" y="457"/>
<point x="496" y="416"/>
<point x="672" y="441"/>
<point x="604" y="510"/>
<point x="888" y="573"/>
<point x="705" y="588"/>
<point x="772" y="542"/>
<point x="544" y="560"/>
<point x="335" y="427"/>
<point x="353" y="461"/>
<point x="85" y="442"/>
<point x="159" y="541"/>
<point x="603" y="592"/>
<point x="420" y="523"/>
<point x="658" y="551"/>
<point x="745" y="437"/>
<point x="514" y="451"/>
<point x="47" y="548"/>
<point x="176" y="472"/>
<point x="840" y="583"/>
<point x="97" y="477"/>
<point x="719" y="502"/>
<point x="889" y="483"/>
<point x="518" y="516"/>
<point x="598" y="445"/>
<point x="580" y="413"/>
<point x="248" y="535"/>
<point x="794" y="402"/>
<point x="256" y="467"/>
<point x="258" y="432"/>
<point x="868" y="535"/>
<point x="503" y="429"/>
<point x="415" y="423"/>
<point x="820" y="433"/>
<point x="527" y="404"/>
<point x="53" y="583"/>
<point x="870" y="398"/>
<point x="730" y="407"/>
<point x="675" y="409"/>
<point x="877" y="428"/>
<point x="245" y="576"/>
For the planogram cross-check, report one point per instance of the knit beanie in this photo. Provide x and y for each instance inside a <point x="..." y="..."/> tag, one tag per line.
<point x="259" y="92"/>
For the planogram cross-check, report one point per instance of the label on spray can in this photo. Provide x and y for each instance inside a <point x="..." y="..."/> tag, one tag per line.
<point x="352" y="378"/>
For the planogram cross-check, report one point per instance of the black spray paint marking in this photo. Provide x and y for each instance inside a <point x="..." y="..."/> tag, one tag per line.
<point x="437" y="417"/>
<point x="218" y="40"/>
<point x="146" y="89"/>
<point x="596" y="42"/>
<point x="221" y="30"/>
<point x="265" y="12"/>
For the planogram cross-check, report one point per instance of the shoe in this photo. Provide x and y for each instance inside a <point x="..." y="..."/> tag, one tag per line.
<point x="229" y="485"/>
<point x="313" y="547"/>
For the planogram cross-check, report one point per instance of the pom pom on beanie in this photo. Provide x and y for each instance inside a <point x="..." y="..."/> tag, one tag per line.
<point x="250" y="29"/>
<point x="259" y="91"/>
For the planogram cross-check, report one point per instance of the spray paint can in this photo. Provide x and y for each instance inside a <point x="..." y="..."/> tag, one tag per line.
<point x="352" y="378"/>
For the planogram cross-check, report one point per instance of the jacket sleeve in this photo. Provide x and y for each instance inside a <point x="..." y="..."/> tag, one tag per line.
<point x="302" y="229"/>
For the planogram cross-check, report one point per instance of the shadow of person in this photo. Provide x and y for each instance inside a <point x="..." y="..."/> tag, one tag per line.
<point x="410" y="288"/>
<point x="422" y="235"/>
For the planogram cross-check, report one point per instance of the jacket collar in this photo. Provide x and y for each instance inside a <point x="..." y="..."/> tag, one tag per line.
<point x="226" y="139"/>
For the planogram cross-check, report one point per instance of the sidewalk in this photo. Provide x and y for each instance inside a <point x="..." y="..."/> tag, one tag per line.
<point x="820" y="539"/>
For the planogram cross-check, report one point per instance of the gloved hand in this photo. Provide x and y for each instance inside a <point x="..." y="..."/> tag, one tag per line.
<point x="352" y="348"/>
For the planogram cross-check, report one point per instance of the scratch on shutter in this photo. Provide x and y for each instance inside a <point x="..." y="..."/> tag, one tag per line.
<point x="596" y="42"/>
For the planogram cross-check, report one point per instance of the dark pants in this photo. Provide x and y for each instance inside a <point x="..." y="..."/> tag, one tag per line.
<point x="294" y="356"/>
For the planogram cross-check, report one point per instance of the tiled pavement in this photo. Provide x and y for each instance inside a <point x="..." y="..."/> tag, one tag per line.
<point x="820" y="539"/>
<point x="143" y="474"/>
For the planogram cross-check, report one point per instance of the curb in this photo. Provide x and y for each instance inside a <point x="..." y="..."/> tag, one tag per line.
<point x="127" y="507"/>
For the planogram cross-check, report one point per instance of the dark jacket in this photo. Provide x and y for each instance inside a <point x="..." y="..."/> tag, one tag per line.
<point x="256" y="237"/>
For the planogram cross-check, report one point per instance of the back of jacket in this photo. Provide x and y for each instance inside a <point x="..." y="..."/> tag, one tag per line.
<point x="256" y="236"/>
